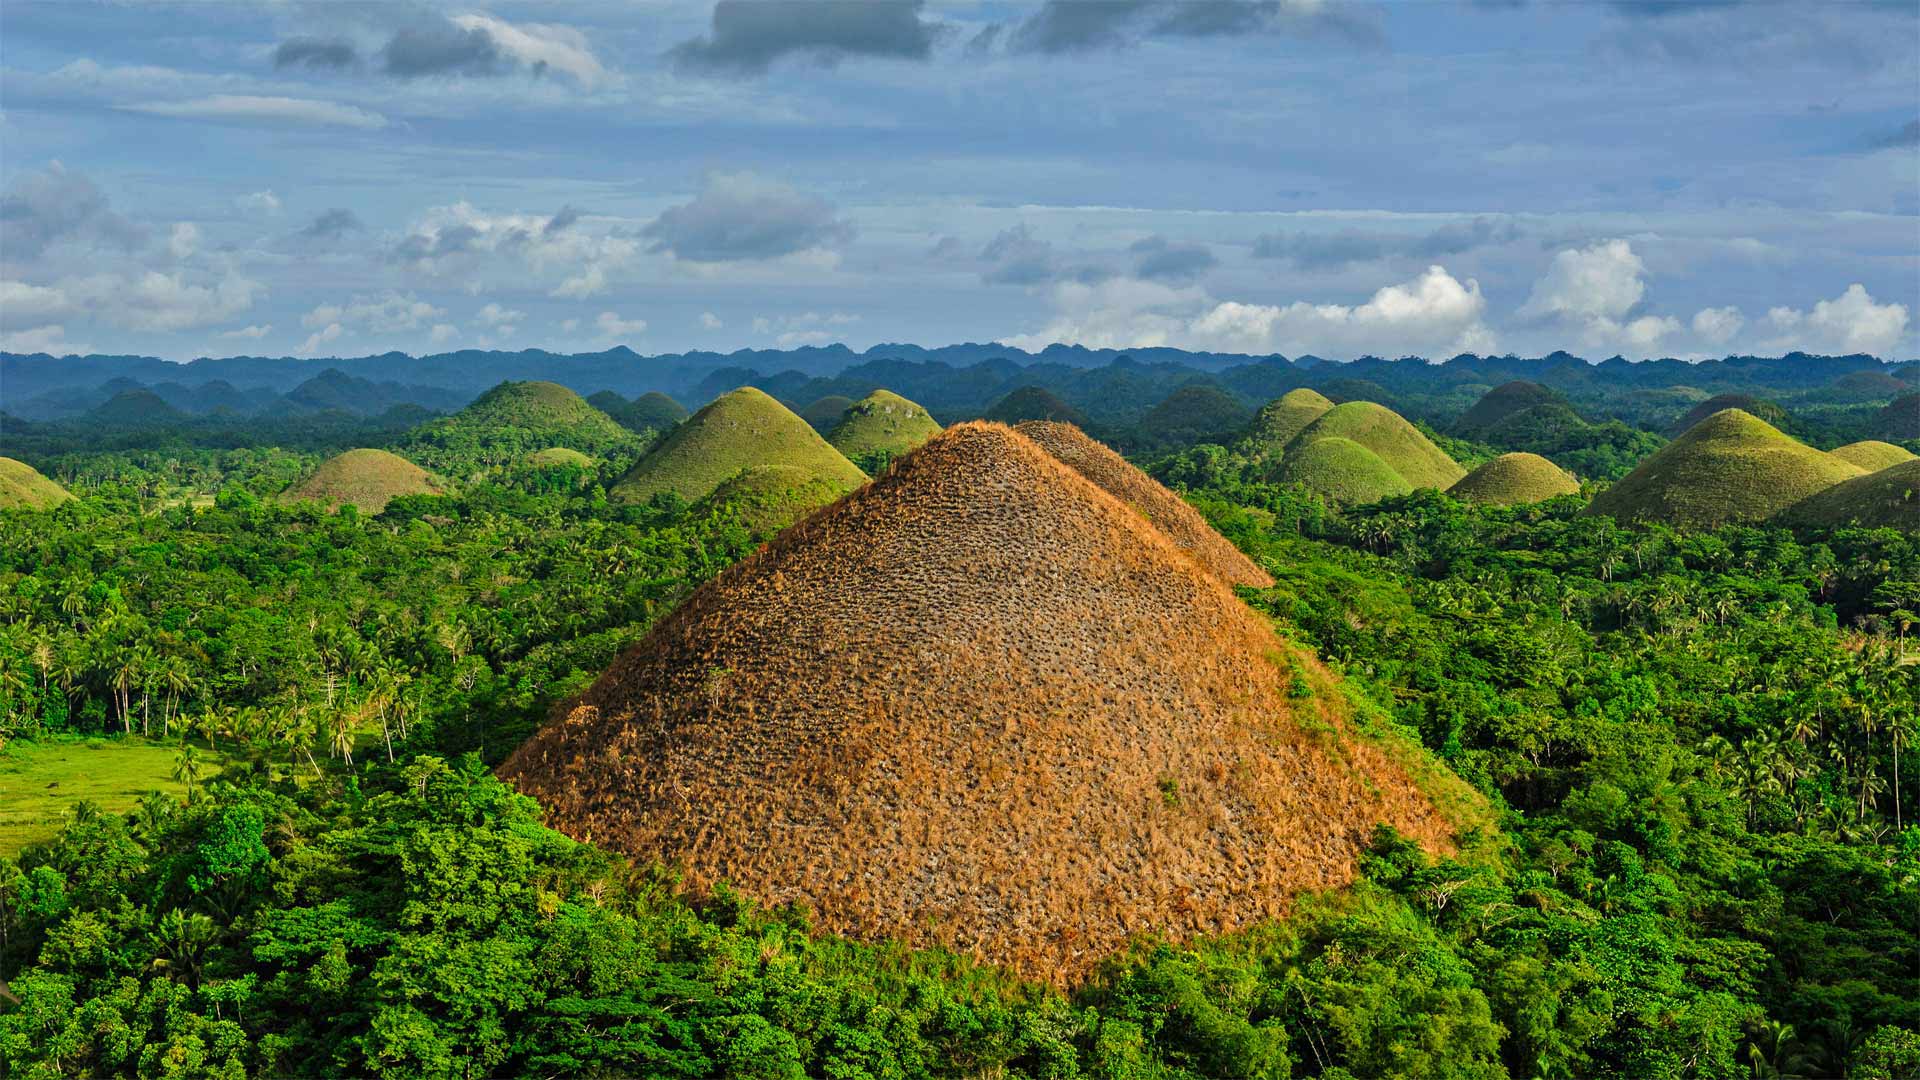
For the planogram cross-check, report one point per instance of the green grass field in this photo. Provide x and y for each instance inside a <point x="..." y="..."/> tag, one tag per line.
<point x="41" y="781"/>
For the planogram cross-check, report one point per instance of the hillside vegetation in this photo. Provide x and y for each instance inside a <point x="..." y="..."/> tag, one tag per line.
<point x="1871" y="454"/>
<point x="1342" y="470"/>
<point x="512" y="420"/>
<point x="1034" y="403"/>
<point x="367" y="479"/>
<point x="1514" y="478"/>
<point x="1731" y="466"/>
<point x="1385" y="432"/>
<point x="883" y="422"/>
<point x="1888" y="498"/>
<point x="979" y="654"/>
<point x="742" y="429"/>
<point x="1279" y="420"/>
<point x="23" y="488"/>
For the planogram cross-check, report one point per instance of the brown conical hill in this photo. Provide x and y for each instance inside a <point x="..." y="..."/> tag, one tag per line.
<point x="369" y="479"/>
<point x="1169" y="512"/>
<point x="977" y="703"/>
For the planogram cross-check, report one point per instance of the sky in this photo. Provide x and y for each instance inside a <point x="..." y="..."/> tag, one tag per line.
<point x="1647" y="178"/>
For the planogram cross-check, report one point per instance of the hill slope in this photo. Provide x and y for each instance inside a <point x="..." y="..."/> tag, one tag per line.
<point x="1343" y="471"/>
<point x="1871" y="454"/>
<point x="1732" y="466"/>
<point x="768" y="498"/>
<point x="1765" y="411"/>
<point x="1899" y="419"/>
<point x="651" y="411"/>
<point x="1889" y="498"/>
<point x="23" y="487"/>
<point x="1034" y="403"/>
<point x="979" y="703"/>
<point x="738" y="430"/>
<point x="882" y="422"/>
<point x="1503" y="401"/>
<point x="511" y="421"/>
<point x="825" y="412"/>
<point x="1193" y="413"/>
<point x="1279" y="420"/>
<point x="1168" y="512"/>
<point x="1387" y="434"/>
<point x="1514" y="478"/>
<point x="369" y="479"/>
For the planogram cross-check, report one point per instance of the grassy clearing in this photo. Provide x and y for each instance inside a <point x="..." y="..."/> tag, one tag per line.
<point x="42" y="781"/>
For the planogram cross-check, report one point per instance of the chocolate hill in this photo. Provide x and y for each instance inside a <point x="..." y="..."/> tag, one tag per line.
<point x="1871" y="454"/>
<point x="741" y="429"/>
<point x="1385" y="432"/>
<point x="1168" y="512"/>
<point x="979" y="703"/>
<point x="1732" y="466"/>
<point x="1514" y="478"/>
<point x="1342" y="470"/>
<point x="22" y="487"/>
<point x="1888" y="499"/>
<point x="1281" y="419"/>
<point x="883" y="422"/>
<point x="369" y="479"/>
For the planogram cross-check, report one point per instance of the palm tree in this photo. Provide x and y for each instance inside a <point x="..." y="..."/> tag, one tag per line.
<point x="187" y="767"/>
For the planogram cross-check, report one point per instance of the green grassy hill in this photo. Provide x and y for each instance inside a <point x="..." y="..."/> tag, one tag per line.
<point x="1034" y="403"/>
<point x="510" y="421"/>
<point x="1514" y="478"/>
<point x="825" y="413"/>
<point x="1504" y="401"/>
<point x="1871" y="454"/>
<point x="768" y="498"/>
<point x="1899" y="420"/>
<point x="1385" y="432"/>
<point x="1889" y="498"/>
<point x="737" y="430"/>
<point x="559" y="457"/>
<point x="1765" y="411"/>
<point x="369" y="479"/>
<point x="536" y="407"/>
<point x="1279" y="420"/>
<point x="651" y="411"/>
<point x="1732" y="466"/>
<point x="1342" y="470"/>
<point x="136" y="409"/>
<point x="883" y="422"/>
<point x="22" y="487"/>
<point x="1194" y="413"/>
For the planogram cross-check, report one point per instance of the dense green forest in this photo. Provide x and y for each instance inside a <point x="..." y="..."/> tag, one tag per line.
<point x="1700" y="745"/>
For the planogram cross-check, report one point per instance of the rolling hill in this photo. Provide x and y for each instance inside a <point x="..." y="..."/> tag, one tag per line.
<point x="22" y="487"/>
<point x="768" y="498"/>
<point x="1514" y="478"/>
<point x="1383" y="431"/>
<point x="1342" y="470"/>
<point x="1899" y="420"/>
<point x="825" y="412"/>
<point x="1279" y="420"/>
<point x="1034" y="403"/>
<point x="1168" y="512"/>
<point x="883" y="422"/>
<point x="512" y="420"/>
<point x="1871" y="454"/>
<point x="1504" y="401"/>
<point x="368" y="479"/>
<point x="1889" y="498"/>
<point x="559" y="457"/>
<point x="1197" y="412"/>
<point x="1732" y="466"/>
<point x="1767" y="412"/>
<point x="738" y="430"/>
<point x="983" y="704"/>
<point x="651" y="411"/>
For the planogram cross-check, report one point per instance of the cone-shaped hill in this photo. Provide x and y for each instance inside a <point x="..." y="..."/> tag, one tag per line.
<point x="1732" y="466"/>
<point x="23" y="487"/>
<point x="369" y="479"/>
<point x="559" y="457"/>
<point x="1343" y="471"/>
<point x="140" y="408"/>
<point x="651" y="411"/>
<point x="1168" y="512"/>
<point x="1871" y="454"/>
<point x="1279" y="420"/>
<point x="1889" y="498"/>
<point x="738" y="430"/>
<point x="1514" y="478"/>
<point x="1034" y="403"/>
<point x="1765" y="411"/>
<point x="511" y="421"/>
<point x="768" y="498"/>
<point x="979" y="703"/>
<point x="882" y="422"/>
<point x="1899" y="419"/>
<point x="1503" y="401"/>
<point x="825" y="412"/>
<point x="1385" y="432"/>
<point x="1195" y="412"/>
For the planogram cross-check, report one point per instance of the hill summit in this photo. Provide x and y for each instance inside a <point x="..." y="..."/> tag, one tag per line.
<point x="1168" y="512"/>
<point x="1503" y="401"/>
<point x="512" y="420"/>
<point x="1281" y="419"/>
<point x="1732" y="466"/>
<point x="1889" y="499"/>
<point x="883" y="422"/>
<point x="979" y="703"/>
<point x="1871" y="454"/>
<point x="369" y="479"/>
<point x="1514" y="478"/>
<point x="1385" y="432"/>
<point x="741" y="429"/>
<point x="23" y="487"/>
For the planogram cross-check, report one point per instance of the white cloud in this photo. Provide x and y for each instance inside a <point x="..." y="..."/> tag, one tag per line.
<point x="320" y="337"/>
<point x="148" y="301"/>
<point x="806" y="328"/>
<point x="1849" y="323"/>
<point x="442" y="333"/>
<point x="613" y="326"/>
<point x="249" y="108"/>
<point x="249" y="333"/>
<point x="46" y="339"/>
<point x="1600" y="281"/>
<point x="710" y="321"/>
<point x="25" y="302"/>
<point x="259" y="202"/>
<point x="390" y="313"/>
<point x="1639" y="336"/>
<point x="462" y="239"/>
<point x="542" y="47"/>
<point x="184" y="240"/>
<point x="1717" y="326"/>
<point x="495" y="315"/>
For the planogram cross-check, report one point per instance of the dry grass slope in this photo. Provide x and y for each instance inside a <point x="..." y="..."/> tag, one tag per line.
<point x="1279" y="420"/>
<point x="738" y="430"/>
<point x="1515" y="478"/>
<point x="979" y="703"/>
<point x="1871" y="454"/>
<point x="1889" y="498"/>
<point x="22" y="487"/>
<point x="882" y="422"/>
<point x="1168" y="512"/>
<point x="1343" y="471"/>
<point x="369" y="479"/>
<point x="1732" y="466"/>
<point x="1386" y="433"/>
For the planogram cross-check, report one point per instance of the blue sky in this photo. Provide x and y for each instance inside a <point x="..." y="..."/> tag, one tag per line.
<point x="1668" y="177"/>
